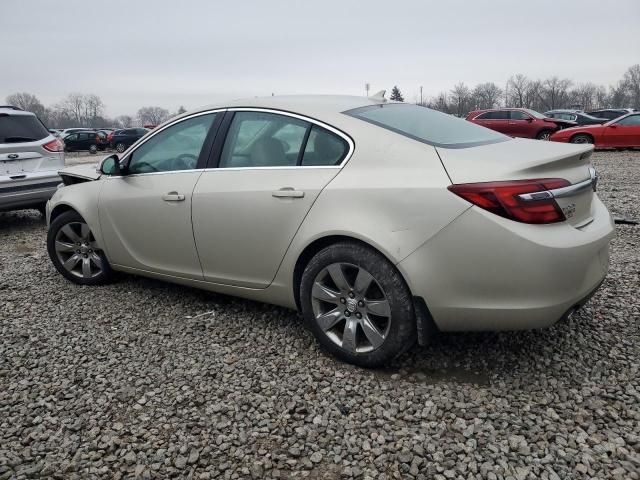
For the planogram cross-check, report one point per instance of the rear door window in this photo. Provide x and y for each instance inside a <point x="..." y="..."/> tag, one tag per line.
<point x="324" y="148"/>
<point x="517" y="115"/>
<point x="21" y="128"/>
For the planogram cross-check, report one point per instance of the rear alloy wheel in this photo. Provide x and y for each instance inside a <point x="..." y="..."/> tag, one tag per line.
<point x="93" y="149"/>
<point x="120" y="147"/>
<point x="357" y="305"/>
<point x="581" y="138"/>
<point x="74" y="251"/>
<point x="544" y="135"/>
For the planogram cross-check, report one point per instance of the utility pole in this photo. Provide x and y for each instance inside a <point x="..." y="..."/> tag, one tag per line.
<point x="420" y="95"/>
<point x="366" y="88"/>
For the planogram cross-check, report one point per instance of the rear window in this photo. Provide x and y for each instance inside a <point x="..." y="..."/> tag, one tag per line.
<point x="21" y="128"/>
<point x="427" y="126"/>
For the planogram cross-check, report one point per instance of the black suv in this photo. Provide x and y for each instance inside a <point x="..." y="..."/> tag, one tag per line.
<point x="84" y="140"/>
<point x="577" y="116"/>
<point x="610" y="113"/>
<point x="122" y="139"/>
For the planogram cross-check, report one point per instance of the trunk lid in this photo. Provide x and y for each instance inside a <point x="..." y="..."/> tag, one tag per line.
<point x="523" y="159"/>
<point x="21" y="158"/>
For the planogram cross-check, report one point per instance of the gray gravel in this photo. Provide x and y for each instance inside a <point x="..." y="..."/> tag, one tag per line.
<point x="149" y="380"/>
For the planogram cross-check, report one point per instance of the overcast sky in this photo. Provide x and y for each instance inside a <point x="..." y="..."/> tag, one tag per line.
<point x="187" y="52"/>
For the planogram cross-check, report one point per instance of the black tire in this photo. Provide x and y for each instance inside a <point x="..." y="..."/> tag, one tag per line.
<point x="544" y="135"/>
<point x="104" y="275"/>
<point x="582" y="138"/>
<point x="401" y="329"/>
<point x="120" y="147"/>
<point x="42" y="208"/>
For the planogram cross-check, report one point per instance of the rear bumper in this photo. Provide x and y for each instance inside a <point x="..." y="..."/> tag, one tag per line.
<point x="483" y="272"/>
<point x="33" y="190"/>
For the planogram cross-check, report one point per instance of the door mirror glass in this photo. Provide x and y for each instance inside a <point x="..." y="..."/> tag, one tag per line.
<point x="110" y="165"/>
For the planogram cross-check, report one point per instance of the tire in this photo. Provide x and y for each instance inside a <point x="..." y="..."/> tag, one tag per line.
<point x="42" y="208"/>
<point x="120" y="147"/>
<point x="93" y="149"/>
<point x="70" y="242"/>
<point x="581" y="138"/>
<point x="544" y="135"/>
<point x="385" y="303"/>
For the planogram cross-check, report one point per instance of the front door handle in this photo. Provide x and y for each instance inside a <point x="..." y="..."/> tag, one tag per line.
<point x="287" y="192"/>
<point x="173" y="197"/>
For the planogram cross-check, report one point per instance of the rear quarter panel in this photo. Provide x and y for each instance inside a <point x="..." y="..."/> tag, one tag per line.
<point x="391" y="194"/>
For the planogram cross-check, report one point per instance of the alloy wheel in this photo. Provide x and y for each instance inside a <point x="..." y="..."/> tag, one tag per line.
<point x="120" y="148"/>
<point x="351" y="308"/>
<point x="545" y="136"/>
<point x="77" y="251"/>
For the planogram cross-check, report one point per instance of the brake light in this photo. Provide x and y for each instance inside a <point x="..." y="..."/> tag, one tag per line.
<point x="54" y="146"/>
<point x="501" y="198"/>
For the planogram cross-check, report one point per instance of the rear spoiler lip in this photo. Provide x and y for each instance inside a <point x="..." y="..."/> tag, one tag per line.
<point x="561" y="192"/>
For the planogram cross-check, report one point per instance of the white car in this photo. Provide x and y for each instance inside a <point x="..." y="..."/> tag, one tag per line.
<point x="378" y="221"/>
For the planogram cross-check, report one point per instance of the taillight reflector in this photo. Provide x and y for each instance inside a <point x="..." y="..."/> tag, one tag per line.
<point x="501" y="198"/>
<point x="54" y="146"/>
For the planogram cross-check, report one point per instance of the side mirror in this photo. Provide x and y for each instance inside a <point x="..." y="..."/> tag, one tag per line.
<point x="529" y="119"/>
<point x="613" y="125"/>
<point x="110" y="165"/>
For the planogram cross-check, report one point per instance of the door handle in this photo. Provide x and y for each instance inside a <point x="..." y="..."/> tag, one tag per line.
<point x="287" y="192"/>
<point x="173" y="197"/>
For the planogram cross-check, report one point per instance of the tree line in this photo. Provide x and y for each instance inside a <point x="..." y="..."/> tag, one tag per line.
<point x="521" y="91"/>
<point x="86" y="110"/>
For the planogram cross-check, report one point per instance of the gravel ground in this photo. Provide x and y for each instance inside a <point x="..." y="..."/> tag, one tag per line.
<point x="150" y="380"/>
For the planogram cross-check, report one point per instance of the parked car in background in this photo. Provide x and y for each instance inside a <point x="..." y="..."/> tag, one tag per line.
<point x="518" y="122"/>
<point x="577" y="116"/>
<point x="30" y="158"/>
<point x="85" y="140"/>
<point x="623" y="132"/>
<point x="264" y="198"/>
<point x="610" y="113"/>
<point x="123" y="139"/>
<point x="67" y="131"/>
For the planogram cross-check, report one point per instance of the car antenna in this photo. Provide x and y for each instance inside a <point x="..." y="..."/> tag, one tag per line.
<point x="379" y="97"/>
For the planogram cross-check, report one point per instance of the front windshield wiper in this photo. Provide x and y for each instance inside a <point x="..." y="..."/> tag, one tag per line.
<point x="19" y="139"/>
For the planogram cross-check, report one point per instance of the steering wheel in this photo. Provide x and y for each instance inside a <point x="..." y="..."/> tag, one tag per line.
<point x="184" y="161"/>
<point x="144" y="167"/>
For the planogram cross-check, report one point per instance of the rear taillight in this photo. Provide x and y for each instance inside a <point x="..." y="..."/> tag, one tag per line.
<point x="54" y="146"/>
<point x="502" y="199"/>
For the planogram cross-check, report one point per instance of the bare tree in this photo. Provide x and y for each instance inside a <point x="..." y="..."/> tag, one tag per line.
<point x="517" y="86"/>
<point x="555" y="92"/>
<point x="460" y="94"/>
<point x="28" y="102"/>
<point x="584" y="95"/>
<point x="631" y="84"/>
<point x="485" y="95"/>
<point x="152" y="115"/>
<point x="440" y="103"/>
<point x="123" y="121"/>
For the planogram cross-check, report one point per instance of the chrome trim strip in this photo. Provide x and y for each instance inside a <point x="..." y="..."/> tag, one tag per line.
<point x="563" y="191"/>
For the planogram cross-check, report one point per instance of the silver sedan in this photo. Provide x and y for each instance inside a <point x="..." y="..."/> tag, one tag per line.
<point x="380" y="221"/>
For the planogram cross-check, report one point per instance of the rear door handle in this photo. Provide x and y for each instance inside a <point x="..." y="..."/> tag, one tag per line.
<point x="173" y="197"/>
<point x="287" y="192"/>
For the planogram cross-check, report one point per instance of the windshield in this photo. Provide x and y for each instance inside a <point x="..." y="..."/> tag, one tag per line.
<point x="533" y="113"/>
<point x="21" y="128"/>
<point x="427" y="126"/>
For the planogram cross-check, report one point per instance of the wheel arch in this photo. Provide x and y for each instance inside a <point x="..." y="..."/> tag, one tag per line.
<point x="59" y="210"/>
<point x="321" y="243"/>
<point x="593" y="139"/>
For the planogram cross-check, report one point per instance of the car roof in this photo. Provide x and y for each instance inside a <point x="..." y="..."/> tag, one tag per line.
<point x="9" y="110"/>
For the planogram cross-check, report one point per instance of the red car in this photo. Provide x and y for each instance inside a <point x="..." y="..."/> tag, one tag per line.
<point x="519" y="122"/>
<point x="623" y="132"/>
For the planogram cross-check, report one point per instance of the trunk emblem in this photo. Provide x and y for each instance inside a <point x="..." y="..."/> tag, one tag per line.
<point x="13" y="156"/>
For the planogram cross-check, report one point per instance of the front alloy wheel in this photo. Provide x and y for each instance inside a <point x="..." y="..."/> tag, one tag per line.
<point x="74" y="251"/>
<point x="357" y="304"/>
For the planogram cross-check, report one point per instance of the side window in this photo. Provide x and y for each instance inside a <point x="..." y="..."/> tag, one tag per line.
<point x="175" y="148"/>
<point x="632" y="120"/>
<point x="71" y="138"/>
<point x="260" y="139"/>
<point x="517" y="115"/>
<point x="485" y="116"/>
<point x="324" y="148"/>
<point x="83" y="136"/>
